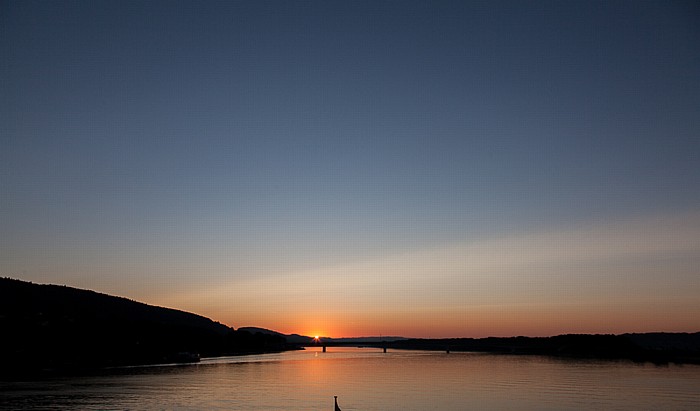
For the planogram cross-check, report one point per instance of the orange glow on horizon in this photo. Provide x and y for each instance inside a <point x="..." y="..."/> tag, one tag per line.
<point x="633" y="274"/>
<point x="472" y="321"/>
<point x="497" y="321"/>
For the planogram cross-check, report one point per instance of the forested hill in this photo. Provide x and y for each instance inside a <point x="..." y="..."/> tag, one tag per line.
<point x="652" y="347"/>
<point x="59" y="327"/>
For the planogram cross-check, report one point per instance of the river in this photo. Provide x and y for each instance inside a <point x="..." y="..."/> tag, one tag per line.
<point x="367" y="379"/>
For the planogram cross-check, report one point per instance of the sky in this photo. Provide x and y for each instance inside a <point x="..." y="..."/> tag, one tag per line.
<point x="426" y="169"/>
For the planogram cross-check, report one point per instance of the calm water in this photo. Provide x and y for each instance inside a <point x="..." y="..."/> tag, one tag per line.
<point x="367" y="379"/>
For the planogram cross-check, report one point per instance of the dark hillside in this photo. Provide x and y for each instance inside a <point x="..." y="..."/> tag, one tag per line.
<point x="651" y="347"/>
<point x="58" y="327"/>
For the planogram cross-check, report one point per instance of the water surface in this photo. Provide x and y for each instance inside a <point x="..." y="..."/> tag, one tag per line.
<point x="367" y="379"/>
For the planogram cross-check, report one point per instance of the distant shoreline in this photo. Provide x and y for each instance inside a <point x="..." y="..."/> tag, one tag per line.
<point x="654" y="347"/>
<point x="657" y="348"/>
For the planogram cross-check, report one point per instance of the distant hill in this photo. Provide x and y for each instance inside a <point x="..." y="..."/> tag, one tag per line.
<point x="647" y="347"/>
<point x="651" y="347"/>
<point x="59" y="327"/>
<point x="667" y="341"/>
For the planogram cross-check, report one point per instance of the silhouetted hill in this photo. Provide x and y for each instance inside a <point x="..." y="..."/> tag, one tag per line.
<point x="59" y="327"/>
<point x="666" y="341"/>
<point x="652" y="347"/>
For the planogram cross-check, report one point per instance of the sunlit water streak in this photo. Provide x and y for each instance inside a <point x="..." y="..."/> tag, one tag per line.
<point x="367" y="379"/>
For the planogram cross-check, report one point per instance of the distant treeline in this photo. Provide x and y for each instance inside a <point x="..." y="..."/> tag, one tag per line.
<point x="651" y="347"/>
<point x="50" y="327"/>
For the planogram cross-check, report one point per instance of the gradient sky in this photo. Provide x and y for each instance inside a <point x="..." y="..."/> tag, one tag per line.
<point x="427" y="169"/>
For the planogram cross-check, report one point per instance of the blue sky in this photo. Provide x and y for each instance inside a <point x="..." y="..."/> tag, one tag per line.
<point x="151" y="150"/>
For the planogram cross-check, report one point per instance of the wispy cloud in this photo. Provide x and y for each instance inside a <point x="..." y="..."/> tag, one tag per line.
<point x="650" y="259"/>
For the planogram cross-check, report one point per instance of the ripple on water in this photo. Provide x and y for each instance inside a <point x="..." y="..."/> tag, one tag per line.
<point x="366" y="379"/>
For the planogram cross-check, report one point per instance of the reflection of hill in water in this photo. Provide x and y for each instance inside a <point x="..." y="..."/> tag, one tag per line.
<point x="50" y="326"/>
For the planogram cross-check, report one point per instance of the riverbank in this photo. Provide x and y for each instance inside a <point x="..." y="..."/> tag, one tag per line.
<point x="658" y="348"/>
